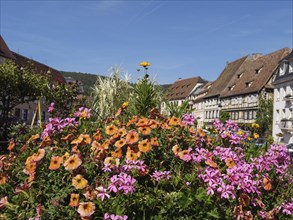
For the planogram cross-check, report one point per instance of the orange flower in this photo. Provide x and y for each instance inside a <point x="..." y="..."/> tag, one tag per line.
<point x="30" y="168"/>
<point x="267" y="185"/>
<point x="106" y="144"/>
<point x="98" y="136"/>
<point x="72" y="162"/>
<point x="174" y="121"/>
<point x="133" y="120"/>
<point x="153" y="124"/>
<point x="144" y="64"/>
<point x="74" y="199"/>
<point x="182" y="153"/>
<point x="144" y="146"/>
<point x="90" y="194"/>
<point x="83" y="139"/>
<point x="154" y="141"/>
<point x="11" y="145"/>
<point x="3" y="179"/>
<point x="111" y="130"/>
<point x="132" y="137"/>
<point x="117" y="153"/>
<point x="166" y="126"/>
<point x="175" y="149"/>
<point x="120" y="143"/>
<point x="201" y="133"/>
<point x="55" y="163"/>
<point x="65" y="157"/>
<point x="39" y="155"/>
<point x="32" y="177"/>
<point x="142" y="122"/>
<point x="86" y="209"/>
<point x="79" y="182"/>
<point x="211" y="163"/>
<point x="144" y="130"/>
<point x="68" y="137"/>
<point x="112" y="160"/>
<point x="230" y="162"/>
<point x="244" y="199"/>
<point x="46" y="141"/>
<point x="122" y="132"/>
<point x="34" y="137"/>
<point x="131" y="154"/>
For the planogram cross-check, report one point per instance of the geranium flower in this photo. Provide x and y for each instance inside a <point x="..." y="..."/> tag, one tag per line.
<point x="132" y="137"/>
<point x="114" y="217"/>
<point x="3" y="179"/>
<point x="72" y="162"/>
<point x="144" y="130"/>
<point x="74" y="199"/>
<point x="111" y="130"/>
<point x="79" y="182"/>
<point x="51" y="107"/>
<point x="101" y="193"/>
<point x="55" y="163"/>
<point x="144" y="146"/>
<point x="39" y="155"/>
<point x="86" y="209"/>
<point x="120" y="143"/>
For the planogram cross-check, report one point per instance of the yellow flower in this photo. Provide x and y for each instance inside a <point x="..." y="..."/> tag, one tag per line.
<point x="255" y="125"/>
<point x="255" y="135"/>
<point x="111" y="130"/>
<point x="240" y="132"/>
<point x="144" y="64"/>
<point x="144" y="146"/>
<point x="79" y="182"/>
<point x="86" y="209"/>
<point x="72" y="162"/>
<point x="125" y="104"/>
<point x="74" y="199"/>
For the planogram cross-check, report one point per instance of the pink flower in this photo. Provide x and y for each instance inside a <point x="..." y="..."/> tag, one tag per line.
<point x="101" y="193"/>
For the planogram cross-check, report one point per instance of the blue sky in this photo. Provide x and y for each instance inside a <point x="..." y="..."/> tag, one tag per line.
<point x="180" y="39"/>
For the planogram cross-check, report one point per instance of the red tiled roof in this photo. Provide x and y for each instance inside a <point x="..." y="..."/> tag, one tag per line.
<point x="39" y="67"/>
<point x="221" y="82"/>
<point x="4" y="50"/>
<point x="254" y="74"/>
<point x="183" y="87"/>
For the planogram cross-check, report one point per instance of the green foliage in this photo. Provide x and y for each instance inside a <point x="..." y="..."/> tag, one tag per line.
<point x="224" y="116"/>
<point x="87" y="79"/>
<point x="177" y="110"/>
<point x="146" y="96"/>
<point x="108" y="94"/>
<point x="64" y="96"/>
<point x="18" y="85"/>
<point x="264" y="116"/>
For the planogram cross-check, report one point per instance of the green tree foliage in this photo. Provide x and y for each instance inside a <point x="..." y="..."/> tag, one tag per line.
<point x="88" y="80"/>
<point x="146" y="96"/>
<point x="18" y="85"/>
<point x="224" y="116"/>
<point x="264" y="116"/>
<point x="108" y="94"/>
<point x="64" y="97"/>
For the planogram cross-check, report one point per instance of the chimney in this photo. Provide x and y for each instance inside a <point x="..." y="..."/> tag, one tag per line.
<point x="256" y="55"/>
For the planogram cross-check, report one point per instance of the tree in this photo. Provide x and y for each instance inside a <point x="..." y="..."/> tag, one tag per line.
<point x="224" y="116"/>
<point x="264" y="116"/>
<point x="18" y="85"/>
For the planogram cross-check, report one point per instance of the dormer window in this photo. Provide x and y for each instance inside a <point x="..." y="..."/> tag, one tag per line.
<point x="230" y="88"/>
<point x="239" y="75"/>
<point x="257" y="71"/>
<point x="248" y="84"/>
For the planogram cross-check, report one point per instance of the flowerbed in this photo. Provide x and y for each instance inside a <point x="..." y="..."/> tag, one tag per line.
<point x="132" y="167"/>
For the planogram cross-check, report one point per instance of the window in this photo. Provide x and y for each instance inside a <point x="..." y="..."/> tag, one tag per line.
<point x="17" y="112"/>
<point x="250" y="115"/>
<point x="277" y="116"/>
<point x="239" y="75"/>
<point x="25" y="114"/>
<point x="257" y="71"/>
<point x="291" y="67"/>
<point x="277" y="94"/>
<point x="248" y="84"/>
